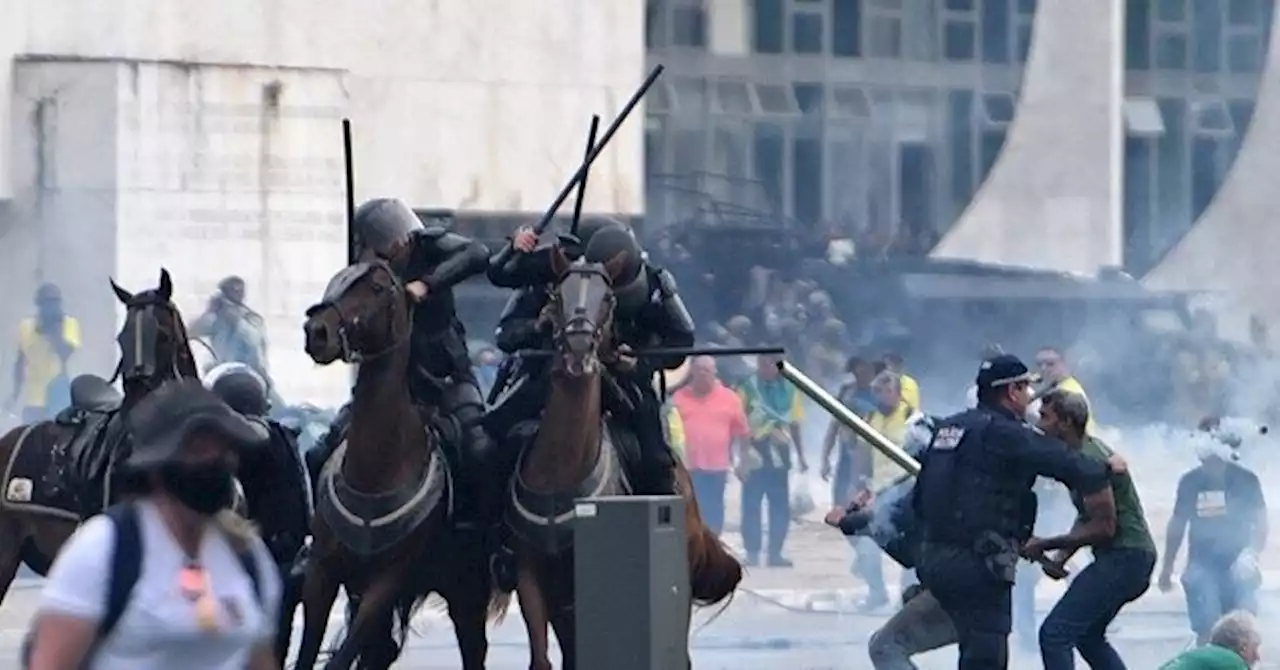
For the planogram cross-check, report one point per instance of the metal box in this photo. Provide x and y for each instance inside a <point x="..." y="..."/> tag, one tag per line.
<point x="631" y="573"/>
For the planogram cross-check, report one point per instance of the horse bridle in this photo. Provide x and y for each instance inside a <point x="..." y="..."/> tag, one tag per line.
<point x="348" y="324"/>
<point x="139" y="315"/>
<point x="580" y="319"/>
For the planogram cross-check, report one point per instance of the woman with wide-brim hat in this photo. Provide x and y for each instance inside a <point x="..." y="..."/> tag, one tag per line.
<point x="207" y="590"/>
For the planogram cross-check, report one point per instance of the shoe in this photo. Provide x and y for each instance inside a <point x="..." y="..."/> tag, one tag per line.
<point x="780" y="562"/>
<point x="872" y="603"/>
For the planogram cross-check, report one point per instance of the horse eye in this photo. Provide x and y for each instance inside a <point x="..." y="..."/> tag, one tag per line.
<point x="379" y="289"/>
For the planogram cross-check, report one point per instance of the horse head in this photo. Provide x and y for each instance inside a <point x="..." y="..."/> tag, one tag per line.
<point x="364" y="315"/>
<point x="154" y="346"/>
<point x="580" y="310"/>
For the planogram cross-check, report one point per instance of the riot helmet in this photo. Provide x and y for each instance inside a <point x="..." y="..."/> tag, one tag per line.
<point x="382" y="224"/>
<point x="630" y="286"/>
<point x="241" y="387"/>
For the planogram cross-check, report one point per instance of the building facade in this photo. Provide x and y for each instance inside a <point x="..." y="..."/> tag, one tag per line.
<point x="205" y="138"/>
<point x="1059" y="133"/>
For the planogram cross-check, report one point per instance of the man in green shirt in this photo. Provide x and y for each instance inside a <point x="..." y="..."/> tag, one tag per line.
<point x="1233" y="645"/>
<point x="1123" y="551"/>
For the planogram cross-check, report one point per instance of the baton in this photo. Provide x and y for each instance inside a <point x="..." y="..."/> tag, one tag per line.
<point x="582" y="185"/>
<point x="541" y="226"/>
<point x="873" y="437"/>
<point x="350" y="175"/>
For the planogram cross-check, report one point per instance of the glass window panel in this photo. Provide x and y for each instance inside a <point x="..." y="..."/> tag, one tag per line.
<point x="1204" y="173"/>
<point x="884" y="38"/>
<point x="850" y="102"/>
<point x="887" y="4"/>
<point x="689" y="151"/>
<point x="769" y="162"/>
<point x="992" y="141"/>
<point x="1172" y="166"/>
<point x="1245" y="12"/>
<point x="806" y="179"/>
<point x="654" y="19"/>
<point x="960" y="5"/>
<point x="960" y="127"/>
<point x="776" y="99"/>
<point x="999" y="107"/>
<point x="810" y="97"/>
<point x="1171" y="52"/>
<point x="689" y="27"/>
<point x="1211" y="117"/>
<point x="1171" y="10"/>
<point x="1206" y="34"/>
<point x="997" y="28"/>
<point x="1244" y="53"/>
<point x="767" y="21"/>
<point x="1138" y="167"/>
<point x="730" y="152"/>
<point x="958" y="40"/>
<point x="691" y="95"/>
<point x="847" y="177"/>
<point x="1241" y="113"/>
<point x="846" y="27"/>
<point x="1027" y="7"/>
<point x="734" y="97"/>
<point x="659" y="97"/>
<point x="806" y="32"/>
<point x="1137" y="35"/>
<point x="1024" y="42"/>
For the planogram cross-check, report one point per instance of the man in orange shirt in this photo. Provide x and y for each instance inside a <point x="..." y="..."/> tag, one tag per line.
<point x="714" y="424"/>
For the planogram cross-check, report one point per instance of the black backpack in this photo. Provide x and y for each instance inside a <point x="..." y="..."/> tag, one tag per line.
<point x="126" y="569"/>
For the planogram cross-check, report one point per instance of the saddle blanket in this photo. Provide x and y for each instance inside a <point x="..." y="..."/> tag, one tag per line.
<point x="37" y="475"/>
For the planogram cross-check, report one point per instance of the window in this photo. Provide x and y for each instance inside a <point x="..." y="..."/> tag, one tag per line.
<point x="1142" y="117"/>
<point x="1137" y="35"/>
<point x="891" y="5"/>
<point x="730" y="152"/>
<point x="998" y="109"/>
<point x="850" y="102"/>
<point x="690" y="95"/>
<point x="958" y="40"/>
<point x="1171" y="10"/>
<point x="658" y="99"/>
<point x="1211" y="117"/>
<point x="1206" y="35"/>
<point x="807" y="29"/>
<point x="1244" y="13"/>
<point x="997" y="26"/>
<point x="734" y="97"/>
<point x="1027" y="7"/>
<point x="1244" y="53"/>
<point x="884" y="37"/>
<point x="776" y="99"/>
<point x="1171" y="51"/>
<point x="689" y="26"/>
<point x="654" y="11"/>
<point x="960" y="5"/>
<point x="767" y="21"/>
<point x="770" y="164"/>
<point x="846" y="28"/>
<point x="960" y="127"/>
<point x="811" y="98"/>
<point x="1024" y="42"/>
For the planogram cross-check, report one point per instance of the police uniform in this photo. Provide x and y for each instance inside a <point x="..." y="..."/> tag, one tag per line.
<point x="975" y="506"/>
<point x="440" y="367"/>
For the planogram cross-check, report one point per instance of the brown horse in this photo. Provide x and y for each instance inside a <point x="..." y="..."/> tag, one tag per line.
<point x="59" y="472"/>
<point x="382" y="529"/>
<point x="577" y="453"/>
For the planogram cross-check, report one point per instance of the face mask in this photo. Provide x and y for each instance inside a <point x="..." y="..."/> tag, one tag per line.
<point x="205" y="490"/>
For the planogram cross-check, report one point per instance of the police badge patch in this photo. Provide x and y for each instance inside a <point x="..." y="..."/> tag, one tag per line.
<point x="947" y="438"/>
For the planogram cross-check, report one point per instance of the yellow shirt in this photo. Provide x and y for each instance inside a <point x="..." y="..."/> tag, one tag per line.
<point x="42" y="364"/>
<point x="675" y="431"/>
<point x="910" y="390"/>
<point x="1072" y="385"/>
<point x="894" y="427"/>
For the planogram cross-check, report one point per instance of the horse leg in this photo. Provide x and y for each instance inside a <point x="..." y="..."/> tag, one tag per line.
<point x="468" y="609"/>
<point x="319" y="590"/>
<point x="560" y="603"/>
<point x="376" y="604"/>
<point x="533" y="609"/>
<point x="12" y="537"/>
<point x="290" y="597"/>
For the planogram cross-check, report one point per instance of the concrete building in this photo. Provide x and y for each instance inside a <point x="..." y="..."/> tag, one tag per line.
<point x="1067" y="134"/>
<point x="205" y="138"/>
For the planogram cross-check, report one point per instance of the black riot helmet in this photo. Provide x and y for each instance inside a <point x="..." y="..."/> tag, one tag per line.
<point x="241" y="387"/>
<point x="629" y="285"/>
<point x="381" y="224"/>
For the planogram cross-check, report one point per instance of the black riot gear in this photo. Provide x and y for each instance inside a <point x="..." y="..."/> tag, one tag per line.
<point x="241" y="387"/>
<point x="381" y="224"/>
<point x="511" y="269"/>
<point x="630" y="286"/>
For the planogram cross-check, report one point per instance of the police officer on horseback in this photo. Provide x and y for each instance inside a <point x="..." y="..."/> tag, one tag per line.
<point x="976" y="509"/>
<point x="431" y="261"/>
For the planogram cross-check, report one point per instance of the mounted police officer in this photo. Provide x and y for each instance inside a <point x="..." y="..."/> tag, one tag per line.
<point x="276" y="488"/>
<point x="974" y="503"/>
<point x="521" y="385"/>
<point x="431" y="261"/>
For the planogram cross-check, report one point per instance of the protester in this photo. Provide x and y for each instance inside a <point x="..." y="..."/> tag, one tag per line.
<point x="1057" y="375"/>
<point x="206" y="593"/>
<point x="46" y="342"/>
<point x="1124" y="555"/>
<point x="1233" y="644"/>
<point x="715" y="426"/>
<point x="774" y="411"/>
<point x="1222" y="504"/>
<point x="235" y="332"/>
<point x="894" y="362"/>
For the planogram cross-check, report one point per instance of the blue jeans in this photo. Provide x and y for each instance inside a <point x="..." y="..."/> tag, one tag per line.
<point x="1212" y="592"/>
<point x="1079" y="621"/>
<point x="761" y="485"/>
<point x="708" y="488"/>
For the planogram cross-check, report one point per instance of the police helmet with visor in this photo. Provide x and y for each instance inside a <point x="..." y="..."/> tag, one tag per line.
<point x="629" y="285"/>
<point x="381" y="225"/>
<point x="241" y="387"/>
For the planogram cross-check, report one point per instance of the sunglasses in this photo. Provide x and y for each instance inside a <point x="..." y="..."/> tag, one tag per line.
<point x="193" y="583"/>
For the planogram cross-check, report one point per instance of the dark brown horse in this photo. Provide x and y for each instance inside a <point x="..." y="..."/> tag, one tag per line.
<point x="59" y="472"/>
<point x="382" y="529"/>
<point x="578" y="453"/>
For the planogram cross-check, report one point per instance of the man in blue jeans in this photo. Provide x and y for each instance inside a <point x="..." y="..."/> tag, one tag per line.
<point x="1124" y="553"/>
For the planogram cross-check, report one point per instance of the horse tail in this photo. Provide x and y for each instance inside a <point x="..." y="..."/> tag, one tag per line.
<point x="499" y="604"/>
<point x="714" y="573"/>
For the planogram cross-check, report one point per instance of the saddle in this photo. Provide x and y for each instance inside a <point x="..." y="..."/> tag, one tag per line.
<point x="97" y="433"/>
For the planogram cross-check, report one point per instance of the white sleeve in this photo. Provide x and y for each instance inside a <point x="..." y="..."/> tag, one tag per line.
<point x="269" y="585"/>
<point x="77" y="582"/>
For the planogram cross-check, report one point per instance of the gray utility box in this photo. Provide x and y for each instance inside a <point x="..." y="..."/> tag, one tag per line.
<point x="631" y="573"/>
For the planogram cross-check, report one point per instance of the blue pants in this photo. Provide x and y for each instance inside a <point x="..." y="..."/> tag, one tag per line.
<point x="977" y="602"/>
<point x="708" y="488"/>
<point x="766" y="484"/>
<point x="1211" y="592"/>
<point x="1079" y="621"/>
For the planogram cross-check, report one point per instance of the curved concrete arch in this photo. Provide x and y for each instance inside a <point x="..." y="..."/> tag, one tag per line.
<point x="1054" y="197"/>
<point x="1231" y="249"/>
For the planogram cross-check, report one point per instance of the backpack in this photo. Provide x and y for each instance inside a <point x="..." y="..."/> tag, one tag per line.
<point x="125" y="570"/>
